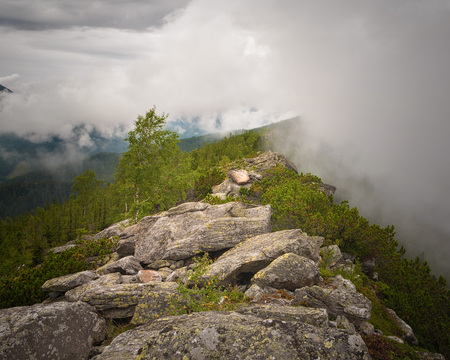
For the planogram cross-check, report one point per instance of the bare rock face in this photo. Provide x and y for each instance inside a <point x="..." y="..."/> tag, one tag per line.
<point x="230" y="335"/>
<point x="343" y="299"/>
<point x="266" y="161"/>
<point x="256" y="253"/>
<point x="67" y="282"/>
<point x="193" y="228"/>
<point x="60" y="330"/>
<point x="288" y="271"/>
<point x="146" y="276"/>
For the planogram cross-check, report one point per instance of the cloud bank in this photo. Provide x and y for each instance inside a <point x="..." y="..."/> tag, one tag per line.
<point x="370" y="81"/>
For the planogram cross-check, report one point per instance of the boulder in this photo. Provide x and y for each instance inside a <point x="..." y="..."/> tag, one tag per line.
<point x="227" y="188"/>
<point x="341" y="299"/>
<point x="409" y="336"/>
<point x="67" y="282"/>
<point x="266" y="161"/>
<point x="117" y="300"/>
<point x="146" y="276"/>
<point x="230" y="335"/>
<point x="240" y="177"/>
<point x="256" y="253"/>
<point x="125" y="247"/>
<point x="59" y="330"/>
<point x="128" y="265"/>
<point x="288" y="271"/>
<point x="157" y="300"/>
<point x="194" y="228"/>
<point x="113" y="230"/>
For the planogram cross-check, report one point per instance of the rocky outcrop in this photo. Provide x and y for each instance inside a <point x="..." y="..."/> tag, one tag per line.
<point x="341" y="298"/>
<point x="194" y="228"/>
<point x="254" y="254"/>
<point x="231" y="335"/>
<point x="60" y="330"/>
<point x="292" y="313"/>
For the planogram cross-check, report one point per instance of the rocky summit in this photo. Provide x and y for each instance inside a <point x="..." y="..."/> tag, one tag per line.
<point x="291" y="312"/>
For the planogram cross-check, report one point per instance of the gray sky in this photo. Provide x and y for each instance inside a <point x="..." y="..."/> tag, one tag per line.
<point x="370" y="80"/>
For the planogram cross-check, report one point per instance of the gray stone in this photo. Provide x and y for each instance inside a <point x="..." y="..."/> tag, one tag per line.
<point x="230" y="335"/>
<point x="125" y="247"/>
<point x="59" y="330"/>
<point x="60" y="249"/>
<point x="256" y="253"/>
<point x="193" y="228"/>
<point x="366" y="328"/>
<point x="409" y="336"/>
<point x="343" y="299"/>
<point x="288" y="271"/>
<point x="128" y="265"/>
<point x="67" y="282"/>
<point x="430" y="356"/>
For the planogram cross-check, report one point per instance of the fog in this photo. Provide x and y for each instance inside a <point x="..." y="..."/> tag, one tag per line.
<point x="369" y="80"/>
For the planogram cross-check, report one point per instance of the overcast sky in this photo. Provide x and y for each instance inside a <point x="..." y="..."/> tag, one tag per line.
<point x="369" y="79"/>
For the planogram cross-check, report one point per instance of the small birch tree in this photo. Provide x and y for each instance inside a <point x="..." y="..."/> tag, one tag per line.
<point x="142" y="167"/>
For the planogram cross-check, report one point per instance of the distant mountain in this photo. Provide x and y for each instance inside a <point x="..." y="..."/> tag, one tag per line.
<point x="39" y="188"/>
<point x="4" y="89"/>
<point x="19" y="155"/>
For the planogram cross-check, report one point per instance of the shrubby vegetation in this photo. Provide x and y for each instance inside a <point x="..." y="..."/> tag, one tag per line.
<point x="155" y="175"/>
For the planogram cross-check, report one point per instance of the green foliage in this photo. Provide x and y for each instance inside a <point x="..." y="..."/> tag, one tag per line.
<point x="216" y="200"/>
<point x="142" y="168"/>
<point x="23" y="287"/>
<point x="204" y="295"/>
<point x="205" y="181"/>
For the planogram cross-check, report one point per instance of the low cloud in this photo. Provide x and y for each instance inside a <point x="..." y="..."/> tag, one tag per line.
<point x="369" y="80"/>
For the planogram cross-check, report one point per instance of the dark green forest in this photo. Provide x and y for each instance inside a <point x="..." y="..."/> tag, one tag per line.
<point x="156" y="174"/>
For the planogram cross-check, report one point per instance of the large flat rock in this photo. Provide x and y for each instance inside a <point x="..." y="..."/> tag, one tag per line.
<point x="193" y="228"/>
<point x="230" y="335"/>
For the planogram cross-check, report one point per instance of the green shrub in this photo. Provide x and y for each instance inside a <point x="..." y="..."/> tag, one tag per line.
<point x="204" y="295"/>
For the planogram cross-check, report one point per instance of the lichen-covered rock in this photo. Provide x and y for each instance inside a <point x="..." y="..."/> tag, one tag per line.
<point x="62" y="248"/>
<point x="266" y="161"/>
<point x="157" y="300"/>
<point x="288" y="271"/>
<point x="193" y="228"/>
<point x="128" y="265"/>
<point x="59" y="330"/>
<point x="117" y="300"/>
<point x="342" y="300"/>
<point x="311" y="316"/>
<point x="256" y="253"/>
<point x="230" y="335"/>
<point x="67" y="282"/>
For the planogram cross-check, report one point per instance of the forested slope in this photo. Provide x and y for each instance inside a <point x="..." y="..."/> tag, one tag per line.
<point x="142" y="187"/>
